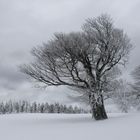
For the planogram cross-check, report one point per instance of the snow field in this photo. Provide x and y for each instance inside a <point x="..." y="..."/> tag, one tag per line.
<point x="69" y="127"/>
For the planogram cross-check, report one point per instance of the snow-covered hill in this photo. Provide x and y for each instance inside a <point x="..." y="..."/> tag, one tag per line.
<point x="69" y="127"/>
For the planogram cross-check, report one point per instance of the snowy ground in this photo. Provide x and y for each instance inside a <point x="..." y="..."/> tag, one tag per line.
<point x="69" y="127"/>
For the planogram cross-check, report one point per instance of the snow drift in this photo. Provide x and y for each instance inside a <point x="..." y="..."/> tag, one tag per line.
<point x="69" y="127"/>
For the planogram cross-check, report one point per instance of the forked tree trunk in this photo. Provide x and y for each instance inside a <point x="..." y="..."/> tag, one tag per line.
<point x="98" y="109"/>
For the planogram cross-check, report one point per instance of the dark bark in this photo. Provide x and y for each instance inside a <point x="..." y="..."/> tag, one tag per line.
<point x="98" y="109"/>
<point x="99" y="112"/>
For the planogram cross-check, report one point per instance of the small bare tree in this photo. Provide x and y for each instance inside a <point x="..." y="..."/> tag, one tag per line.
<point x="82" y="60"/>
<point x="136" y="87"/>
<point x="123" y="95"/>
<point x="136" y="76"/>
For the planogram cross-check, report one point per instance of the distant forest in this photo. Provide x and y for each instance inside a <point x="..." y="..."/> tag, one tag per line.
<point x="27" y="107"/>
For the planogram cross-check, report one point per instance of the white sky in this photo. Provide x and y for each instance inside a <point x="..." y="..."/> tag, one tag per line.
<point x="27" y="23"/>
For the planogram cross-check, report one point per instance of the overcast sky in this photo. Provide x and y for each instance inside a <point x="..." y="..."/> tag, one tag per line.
<point x="27" y="23"/>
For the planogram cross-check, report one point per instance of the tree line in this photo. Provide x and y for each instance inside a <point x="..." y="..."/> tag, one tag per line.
<point x="27" y="107"/>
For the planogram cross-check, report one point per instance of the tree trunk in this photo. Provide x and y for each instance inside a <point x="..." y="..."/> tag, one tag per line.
<point x="98" y="109"/>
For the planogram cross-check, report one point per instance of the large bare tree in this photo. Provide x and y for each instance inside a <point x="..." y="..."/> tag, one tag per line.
<point x="82" y="60"/>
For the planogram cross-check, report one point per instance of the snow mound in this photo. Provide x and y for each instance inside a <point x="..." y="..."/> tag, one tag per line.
<point x="69" y="127"/>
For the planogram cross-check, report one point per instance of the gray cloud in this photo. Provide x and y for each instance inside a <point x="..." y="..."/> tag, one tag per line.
<point x="27" y="23"/>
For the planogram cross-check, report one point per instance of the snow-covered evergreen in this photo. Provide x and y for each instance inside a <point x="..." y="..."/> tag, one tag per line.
<point x="27" y="107"/>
